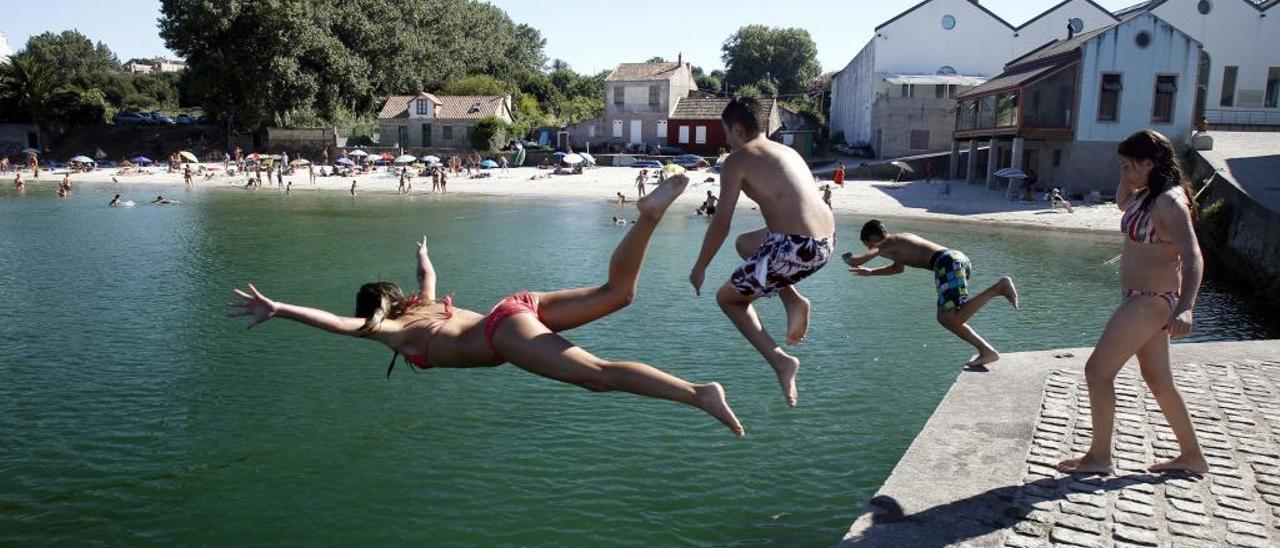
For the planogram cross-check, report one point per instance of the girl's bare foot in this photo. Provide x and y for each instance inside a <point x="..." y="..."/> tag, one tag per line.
<point x="657" y="202"/>
<point x="1010" y="291"/>
<point x="797" y="319"/>
<point x="787" y="367"/>
<point x="983" y="358"/>
<point x="710" y="398"/>
<point x="1085" y="465"/>
<point x="1194" y="464"/>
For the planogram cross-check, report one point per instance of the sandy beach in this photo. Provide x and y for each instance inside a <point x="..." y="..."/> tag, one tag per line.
<point x="915" y="200"/>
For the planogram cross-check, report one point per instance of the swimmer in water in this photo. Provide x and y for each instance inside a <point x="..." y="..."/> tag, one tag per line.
<point x="522" y="329"/>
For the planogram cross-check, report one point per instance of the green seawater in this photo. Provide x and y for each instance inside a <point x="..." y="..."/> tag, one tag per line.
<point x="132" y="411"/>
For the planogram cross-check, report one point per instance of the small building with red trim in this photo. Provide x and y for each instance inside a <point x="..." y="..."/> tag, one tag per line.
<point x="695" y="124"/>
<point x="1060" y="111"/>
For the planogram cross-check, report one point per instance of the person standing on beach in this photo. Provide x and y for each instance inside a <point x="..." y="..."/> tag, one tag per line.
<point x="838" y="176"/>
<point x="444" y="180"/>
<point x="951" y="271"/>
<point x="186" y="176"/>
<point x="287" y="187"/>
<point x="18" y="183"/>
<point x="795" y="243"/>
<point x="4" y="165"/>
<point x="311" y="173"/>
<point x="644" y="174"/>
<point x="1160" y="280"/>
<point x="826" y="196"/>
<point x="353" y="187"/>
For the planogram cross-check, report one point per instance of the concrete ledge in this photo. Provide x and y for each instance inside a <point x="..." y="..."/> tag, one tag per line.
<point x="957" y="483"/>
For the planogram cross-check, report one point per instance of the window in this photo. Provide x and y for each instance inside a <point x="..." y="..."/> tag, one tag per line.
<point x="947" y="70"/>
<point x="1109" y="100"/>
<point x="789" y="139"/>
<point x="908" y="90"/>
<point x="700" y="135"/>
<point x="662" y="129"/>
<point x="953" y="90"/>
<point x="422" y="106"/>
<point x="1057" y="157"/>
<point x="940" y="91"/>
<point x="617" y="129"/>
<point x="1229" y="86"/>
<point x="684" y="135"/>
<point x="1166" y="90"/>
<point x="1205" y="6"/>
<point x="446" y="133"/>
<point x="1077" y="24"/>
<point x="403" y="134"/>
<point x="948" y="22"/>
<point x="1007" y="109"/>
<point x="654" y="99"/>
<point x="919" y="139"/>
<point x="591" y="131"/>
<point x="619" y="95"/>
<point x="1273" y="87"/>
<point x="426" y="135"/>
<point x="1143" y="39"/>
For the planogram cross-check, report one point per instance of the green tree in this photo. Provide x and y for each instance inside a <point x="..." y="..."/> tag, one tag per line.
<point x="478" y="84"/>
<point x="785" y="57"/>
<point x="71" y="54"/>
<point x="490" y="134"/>
<point x="30" y="90"/>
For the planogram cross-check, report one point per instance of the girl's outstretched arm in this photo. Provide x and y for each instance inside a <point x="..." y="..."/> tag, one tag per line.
<point x="259" y="309"/>
<point x="426" y="273"/>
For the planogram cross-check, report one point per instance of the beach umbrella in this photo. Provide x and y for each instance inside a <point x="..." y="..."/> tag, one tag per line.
<point x="189" y="157"/>
<point x="344" y="162"/>
<point x="591" y="160"/>
<point x="406" y="159"/>
<point x="573" y="159"/>
<point x="82" y="160"/>
<point x="357" y="152"/>
<point x="1011" y="173"/>
<point x="430" y="159"/>
<point x="558" y="154"/>
<point x="387" y="156"/>
<point x="300" y="162"/>
<point x="903" y="166"/>
<point x="141" y="160"/>
<point x="255" y="156"/>
<point x="488" y="164"/>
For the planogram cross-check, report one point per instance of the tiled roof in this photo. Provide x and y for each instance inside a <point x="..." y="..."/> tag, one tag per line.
<point x="1056" y="48"/>
<point x="710" y="108"/>
<point x="1008" y="80"/>
<point x="455" y="107"/>
<point x="397" y="106"/>
<point x="631" y="72"/>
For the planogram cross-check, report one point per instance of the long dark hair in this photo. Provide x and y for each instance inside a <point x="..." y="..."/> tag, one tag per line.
<point x="379" y="301"/>
<point x="1151" y="145"/>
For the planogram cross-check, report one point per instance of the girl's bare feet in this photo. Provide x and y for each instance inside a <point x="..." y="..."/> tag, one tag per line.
<point x="1194" y="464"/>
<point x="710" y="398"/>
<point x="787" y="367"/>
<point x="983" y="358"/>
<point x="1010" y="291"/>
<point x="797" y="319"/>
<point x="1085" y="465"/>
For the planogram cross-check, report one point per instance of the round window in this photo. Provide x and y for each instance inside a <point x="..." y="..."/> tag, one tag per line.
<point x="947" y="70"/>
<point x="948" y="22"/>
<point x="1077" y="24"/>
<point x="1205" y="6"/>
<point x="1143" y="39"/>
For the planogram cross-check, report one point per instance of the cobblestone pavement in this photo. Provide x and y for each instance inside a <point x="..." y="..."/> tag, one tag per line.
<point x="1236" y="410"/>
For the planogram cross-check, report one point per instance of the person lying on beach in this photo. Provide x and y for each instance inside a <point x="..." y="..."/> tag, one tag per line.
<point x="1055" y="197"/>
<point x="521" y="329"/>
<point x="951" y="270"/>
<point x="795" y="243"/>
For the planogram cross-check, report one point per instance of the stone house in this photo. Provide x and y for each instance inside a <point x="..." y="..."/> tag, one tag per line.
<point x="639" y="99"/>
<point x="443" y="122"/>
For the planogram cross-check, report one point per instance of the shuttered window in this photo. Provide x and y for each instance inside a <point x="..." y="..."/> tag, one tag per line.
<point x="1166" y="91"/>
<point x="1109" y="99"/>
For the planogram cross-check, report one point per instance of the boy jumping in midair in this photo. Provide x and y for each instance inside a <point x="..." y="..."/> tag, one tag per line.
<point x="796" y="243"/>
<point x="951" y="270"/>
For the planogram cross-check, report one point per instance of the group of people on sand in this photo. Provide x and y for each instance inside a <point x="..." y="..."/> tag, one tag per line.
<point x="1160" y="281"/>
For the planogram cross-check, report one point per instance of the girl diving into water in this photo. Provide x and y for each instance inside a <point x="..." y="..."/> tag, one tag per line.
<point x="521" y="329"/>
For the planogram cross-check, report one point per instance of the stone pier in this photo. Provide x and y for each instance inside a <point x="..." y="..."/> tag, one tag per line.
<point x="981" y="472"/>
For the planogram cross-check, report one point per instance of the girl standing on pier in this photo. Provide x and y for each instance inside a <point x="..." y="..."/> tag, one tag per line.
<point x="1160" y="277"/>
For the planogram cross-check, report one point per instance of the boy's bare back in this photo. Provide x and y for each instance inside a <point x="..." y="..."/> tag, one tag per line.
<point x="909" y="249"/>
<point x="778" y="179"/>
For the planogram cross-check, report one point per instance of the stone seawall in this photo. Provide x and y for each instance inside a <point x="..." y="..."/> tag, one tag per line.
<point x="1244" y="238"/>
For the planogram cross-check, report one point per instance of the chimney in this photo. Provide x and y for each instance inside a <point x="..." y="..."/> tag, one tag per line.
<point x="1071" y="30"/>
<point x="680" y="58"/>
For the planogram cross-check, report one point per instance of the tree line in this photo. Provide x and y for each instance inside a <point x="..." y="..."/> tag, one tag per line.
<point x="298" y="63"/>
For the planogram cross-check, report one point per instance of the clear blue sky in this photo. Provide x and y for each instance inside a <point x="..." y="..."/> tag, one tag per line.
<point x="583" y="32"/>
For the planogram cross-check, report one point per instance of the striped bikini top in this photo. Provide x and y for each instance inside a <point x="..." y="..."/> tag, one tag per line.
<point x="1138" y="223"/>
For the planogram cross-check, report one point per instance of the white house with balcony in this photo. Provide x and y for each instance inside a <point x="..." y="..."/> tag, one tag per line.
<point x="1241" y="88"/>
<point x="896" y="96"/>
<point x="639" y="99"/>
<point x="1060" y="111"/>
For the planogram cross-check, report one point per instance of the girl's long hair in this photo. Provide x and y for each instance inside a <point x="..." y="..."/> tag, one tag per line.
<point x="1166" y="173"/>
<point x="379" y="301"/>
